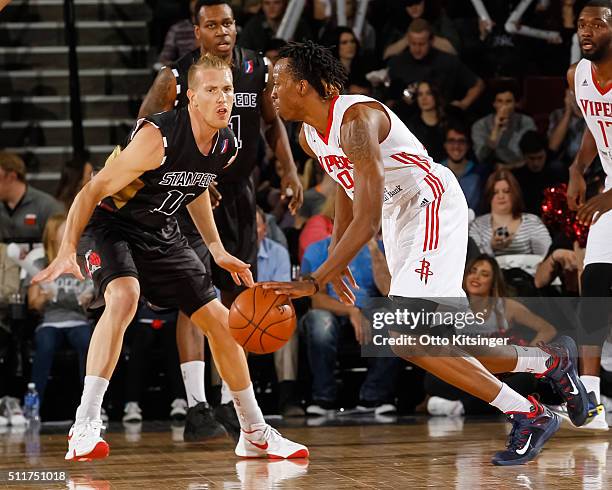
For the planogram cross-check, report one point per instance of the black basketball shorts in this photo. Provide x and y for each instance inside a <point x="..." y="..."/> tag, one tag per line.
<point x="236" y="222"/>
<point x="169" y="272"/>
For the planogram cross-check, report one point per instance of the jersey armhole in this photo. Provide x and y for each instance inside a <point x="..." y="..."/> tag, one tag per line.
<point x="231" y="160"/>
<point x="139" y="124"/>
<point x="384" y="110"/>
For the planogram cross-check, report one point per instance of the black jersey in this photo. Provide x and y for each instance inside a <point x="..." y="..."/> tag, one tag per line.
<point x="250" y="73"/>
<point x="152" y="199"/>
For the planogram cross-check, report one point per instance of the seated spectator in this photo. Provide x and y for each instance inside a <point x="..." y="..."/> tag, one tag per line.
<point x="75" y="174"/>
<point x="457" y="147"/>
<point x="537" y="174"/>
<point x="445" y="36"/>
<point x="506" y="229"/>
<point x="149" y="326"/>
<point x="10" y="285"/>
<point x="421" y="61"/>
<point x="273" y="48"/>
<point x="565" y="256"/>
<point x="496" y="137"/>
<point x="562" y="260"/>
<point x="25" y="210"/>
<point x="326" y="11"/>
<point x="273" y="264"/>
<point x="180" y="38"/>
<point x="315" y="196"/>
<point x="259" y="30"/>
<point x="429" y="123"/>
<point x="319" y="226"/>
<point x="565" y="129"/>
<point x="331" y="323"/>
<point x="346" y="48"/>
<point x="61" y="305"/>
<point x="484" y="285"/>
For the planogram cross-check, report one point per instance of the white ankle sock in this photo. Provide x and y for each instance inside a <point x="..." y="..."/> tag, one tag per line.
<point x="530" y="360"/>
<point x="193" y="378"/>
<point x="247" y="408"/>
<point x="226" y="394"/>
<point x="508" y="400"/>
<point x="592" y="383"/>
<point x="91" y="400"/>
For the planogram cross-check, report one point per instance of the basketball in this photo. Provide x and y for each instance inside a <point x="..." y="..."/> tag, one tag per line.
<point x="261" y="321"/>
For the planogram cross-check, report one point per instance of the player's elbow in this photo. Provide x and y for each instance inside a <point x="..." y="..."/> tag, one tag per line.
<point x="95" y="190"/>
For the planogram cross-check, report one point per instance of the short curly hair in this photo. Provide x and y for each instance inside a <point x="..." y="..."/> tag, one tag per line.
<point x="317" y="65"/>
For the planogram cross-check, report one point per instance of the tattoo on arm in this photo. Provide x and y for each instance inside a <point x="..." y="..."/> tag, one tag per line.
<point x="161" y="95"/>
<point x="358" y="141"/>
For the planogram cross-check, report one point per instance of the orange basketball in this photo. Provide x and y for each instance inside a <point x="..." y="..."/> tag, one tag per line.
<point x="261" y="321"/>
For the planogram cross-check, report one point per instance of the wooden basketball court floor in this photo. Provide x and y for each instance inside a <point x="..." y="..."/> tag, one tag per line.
<point x="412" y="453"/>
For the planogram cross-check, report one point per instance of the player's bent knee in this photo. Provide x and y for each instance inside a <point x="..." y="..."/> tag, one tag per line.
<point x="122" y="295"/>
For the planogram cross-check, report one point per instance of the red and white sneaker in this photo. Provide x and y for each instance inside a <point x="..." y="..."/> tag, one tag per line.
<point x="264" y="441"/>
<point x="84" y="441"/>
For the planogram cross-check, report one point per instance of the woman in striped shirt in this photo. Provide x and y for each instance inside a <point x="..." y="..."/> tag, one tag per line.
<point x="506" y="229"/>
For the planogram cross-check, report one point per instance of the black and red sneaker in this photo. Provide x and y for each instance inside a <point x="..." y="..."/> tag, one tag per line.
<point x="530" y="431"/>
<point x="562" y="374"/>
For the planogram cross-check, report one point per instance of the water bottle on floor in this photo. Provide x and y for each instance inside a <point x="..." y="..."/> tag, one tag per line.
<point x="31" y="404"/>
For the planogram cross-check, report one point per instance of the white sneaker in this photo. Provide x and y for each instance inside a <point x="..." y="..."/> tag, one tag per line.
<point x="84" y="441"/>
<point x="3" y="421"/>
<point x="132" y="412"/>
<point x="438" y="406"/>
<point x="13" y="412"/>
<point x="596" y="424"/>
<point x="263" y="441"/>
<point x="179" y="409"/>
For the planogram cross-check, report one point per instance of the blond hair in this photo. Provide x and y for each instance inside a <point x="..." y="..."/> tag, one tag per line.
<point x="206" y="62"/>
<point x="53" y="224"/>
<point x="9" y="162"/>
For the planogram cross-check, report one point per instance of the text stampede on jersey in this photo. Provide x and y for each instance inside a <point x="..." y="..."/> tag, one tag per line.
<point x="187" y="179"/>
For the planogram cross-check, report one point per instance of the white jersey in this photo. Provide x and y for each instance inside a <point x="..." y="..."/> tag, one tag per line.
<point x="408" y="167"/>
<point x="425" y="215"/>
<point x="595" y="103"/>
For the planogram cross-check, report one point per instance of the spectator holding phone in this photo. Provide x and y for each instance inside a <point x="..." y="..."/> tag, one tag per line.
<point x="506" y="229"/>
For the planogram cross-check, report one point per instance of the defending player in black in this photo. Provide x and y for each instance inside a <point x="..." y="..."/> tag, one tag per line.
<point x="215" y="30"/>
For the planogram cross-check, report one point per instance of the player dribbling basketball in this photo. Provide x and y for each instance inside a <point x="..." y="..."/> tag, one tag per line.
<point x="385" y="174"/>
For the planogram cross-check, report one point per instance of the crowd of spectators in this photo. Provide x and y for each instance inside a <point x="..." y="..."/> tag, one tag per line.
<point x="441" y="65"/>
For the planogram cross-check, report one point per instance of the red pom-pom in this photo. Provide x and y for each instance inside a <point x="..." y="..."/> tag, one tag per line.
<point x="557" y="215"/>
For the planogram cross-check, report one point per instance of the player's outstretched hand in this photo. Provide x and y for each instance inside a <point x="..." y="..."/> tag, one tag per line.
<point x="292" y="187"/>
<point x="293" y="289"/>
<point x="342" y="289"/>
<point x="576" y="191"/>
<point x="594" y="208"/>
<point x="238" y="269"/>
<point x="63" y="264"/>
